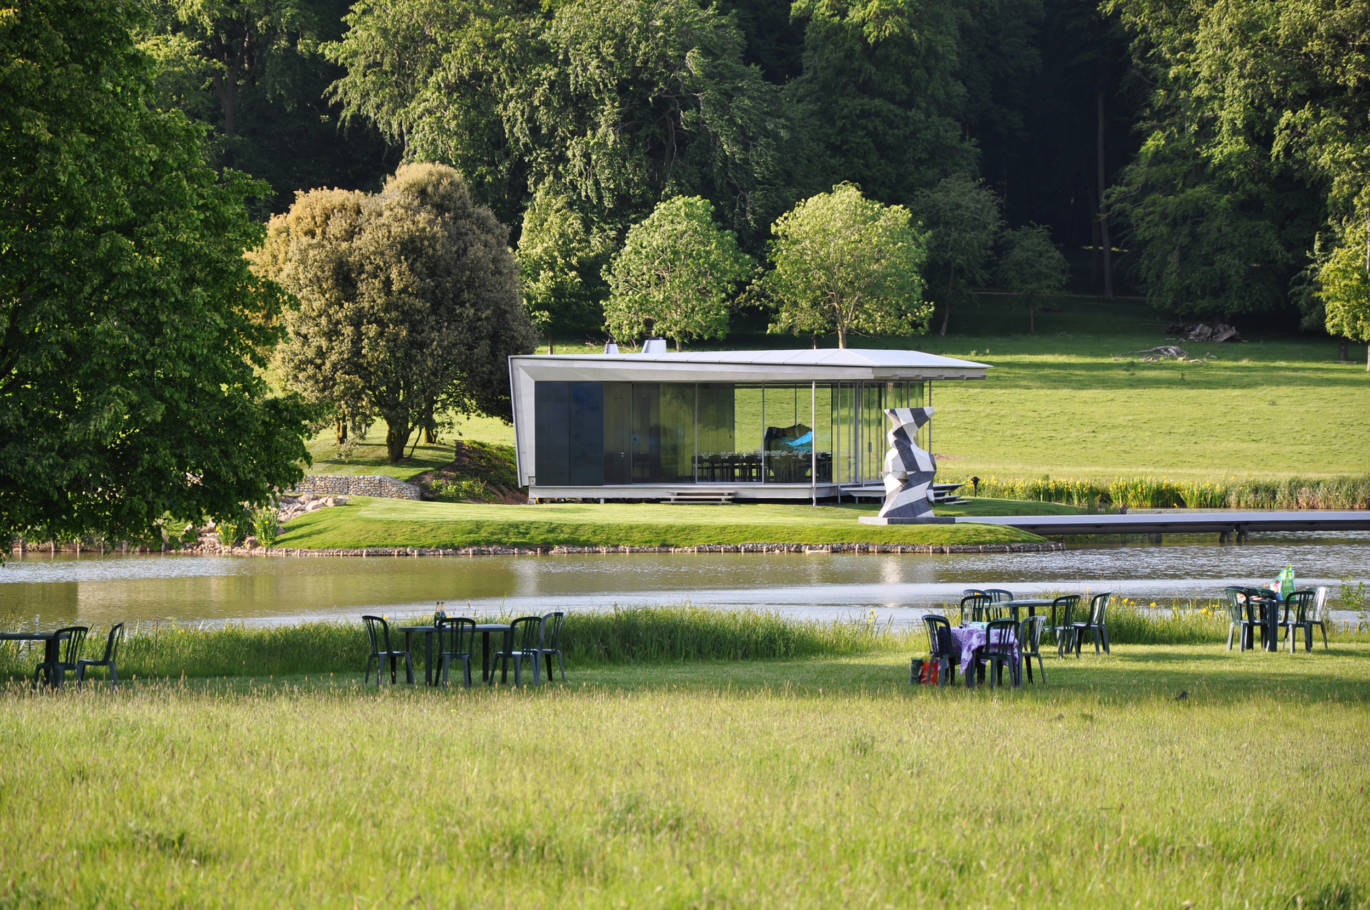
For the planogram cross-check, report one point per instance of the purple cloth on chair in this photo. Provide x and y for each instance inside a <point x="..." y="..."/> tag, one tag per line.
<point x="966" y="640"/>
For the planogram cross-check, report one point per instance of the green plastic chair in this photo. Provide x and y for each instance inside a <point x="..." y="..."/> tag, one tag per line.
<point x="1030" y="641"/>
<point x="551" y="642"/>
<point x="975" y="608"/>
<point x="456" y="638"/>
<point x="939" y="647"/>
<point x="378" y="634"/>
<point x="1062" y="617"/>
<point x="1096" y="625"/>
<point x="1304" y="610"/>
<point x="1001" y="651"/>
<point x="1236" y="616"/>
<point x="526" y="635"/>
<point x="116" y="638"/>
<point x="55" y="672"/>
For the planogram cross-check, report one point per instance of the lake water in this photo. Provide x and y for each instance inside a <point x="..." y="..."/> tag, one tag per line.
<point x="96" y="590"/>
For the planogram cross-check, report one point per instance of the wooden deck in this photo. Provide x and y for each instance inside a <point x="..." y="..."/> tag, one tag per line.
<point x="1227" y="525"/>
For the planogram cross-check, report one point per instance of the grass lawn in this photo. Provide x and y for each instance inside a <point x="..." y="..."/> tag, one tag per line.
<point x="1087" y="407"/>
<point x="398" y="523"/>
<point x="366" y="455"/>
<point x="819" y="782"/>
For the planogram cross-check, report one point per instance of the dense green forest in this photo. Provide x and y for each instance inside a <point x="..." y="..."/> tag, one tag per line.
<point x="1210" y="156"/>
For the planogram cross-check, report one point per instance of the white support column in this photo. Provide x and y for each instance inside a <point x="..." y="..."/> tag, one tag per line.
<point x="813" y="442"/>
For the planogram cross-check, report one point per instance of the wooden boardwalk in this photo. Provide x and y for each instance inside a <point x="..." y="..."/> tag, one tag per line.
<point x="1228" y="525"/>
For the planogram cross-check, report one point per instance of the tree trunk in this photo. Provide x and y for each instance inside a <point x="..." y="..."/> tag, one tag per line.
<point x="841" y="336"/>
<point x="226" y="89"/>
<point x="396" y="438"/>
<point x="1342" y="355"/>
<point x="430" y="435"/>
<point x="340" y="429"/>
<point x="1032" y="317"/>
<point x="1105" y="242"/>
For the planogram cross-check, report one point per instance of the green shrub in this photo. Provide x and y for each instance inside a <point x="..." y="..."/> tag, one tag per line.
<point x="233" y="531"/>
<point x="266" y="525"/>
<point x="459" y="489"/>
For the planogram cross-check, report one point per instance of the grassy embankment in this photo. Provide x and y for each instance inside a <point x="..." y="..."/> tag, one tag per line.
<point x="382" y="523"/>
<point x="1155" y="776"/>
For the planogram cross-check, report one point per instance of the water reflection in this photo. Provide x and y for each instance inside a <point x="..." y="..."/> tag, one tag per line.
<point x="100" y="590"/>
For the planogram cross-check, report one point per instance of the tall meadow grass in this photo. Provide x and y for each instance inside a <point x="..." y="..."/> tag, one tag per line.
<point x="622" y="636"/>
<point x="1153" y="777"/>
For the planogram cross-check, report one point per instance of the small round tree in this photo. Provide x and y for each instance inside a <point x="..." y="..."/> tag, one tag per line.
<point x="1032" y="267"/>
<point x="677" y="269"/>
<point x="963" y="221"/>
<point x="844" y="263"/>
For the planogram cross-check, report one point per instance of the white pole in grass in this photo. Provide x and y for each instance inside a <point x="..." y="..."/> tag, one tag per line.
<point x="813" y="442"/>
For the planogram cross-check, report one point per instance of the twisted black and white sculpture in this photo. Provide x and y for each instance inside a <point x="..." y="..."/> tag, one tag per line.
<point x="908" y="469"/>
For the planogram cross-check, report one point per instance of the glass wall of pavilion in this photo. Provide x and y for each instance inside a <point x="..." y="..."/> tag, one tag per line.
<point x="611" y="433"/>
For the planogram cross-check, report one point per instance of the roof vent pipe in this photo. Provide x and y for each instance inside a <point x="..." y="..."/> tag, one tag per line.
<point x="610" y="348"/>
<point x="654" y="346"/>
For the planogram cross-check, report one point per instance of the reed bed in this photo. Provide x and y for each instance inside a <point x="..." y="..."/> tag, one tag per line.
<point x="1182" y="623"/>
<point x="1156" y="493"/>
<point x="696" y="633"/>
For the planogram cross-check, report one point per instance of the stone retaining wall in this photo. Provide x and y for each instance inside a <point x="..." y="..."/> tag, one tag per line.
<point x="357" y="485"/>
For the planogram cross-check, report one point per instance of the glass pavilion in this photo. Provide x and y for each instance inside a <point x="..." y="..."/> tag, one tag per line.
<point x="758" y="424"/>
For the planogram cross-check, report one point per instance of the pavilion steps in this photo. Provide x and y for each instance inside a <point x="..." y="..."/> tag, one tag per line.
<point x="716" y="497"/>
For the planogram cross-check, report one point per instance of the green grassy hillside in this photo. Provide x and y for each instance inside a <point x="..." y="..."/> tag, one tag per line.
<point x="1077" y="400"/>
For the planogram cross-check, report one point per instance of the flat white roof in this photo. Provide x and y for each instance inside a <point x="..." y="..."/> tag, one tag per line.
<point x="800" y="364"/>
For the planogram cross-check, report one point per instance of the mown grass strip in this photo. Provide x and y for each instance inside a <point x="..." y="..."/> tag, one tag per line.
<point x="382" y="523"/>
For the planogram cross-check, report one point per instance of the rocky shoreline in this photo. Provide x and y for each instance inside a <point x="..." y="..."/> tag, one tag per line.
<point x="214" y="550"/>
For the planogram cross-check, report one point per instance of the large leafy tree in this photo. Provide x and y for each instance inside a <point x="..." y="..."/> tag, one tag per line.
<point x="615" y="102"/>
<point x="1272" y="88"/>
<point x="440" y="79"/>
<point x="881" y="92"/>
<point x="1343" y="277"/>
<point x="131" y="331"/>
<point x="253" y="71"/>
<point x="408" y="301"/>
<point x="843" y="263"/>
<point x="677" y="272"/>
<point x="1208" y="242"/>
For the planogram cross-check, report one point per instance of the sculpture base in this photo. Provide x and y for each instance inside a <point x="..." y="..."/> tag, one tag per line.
<point x="928" y="520"/>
